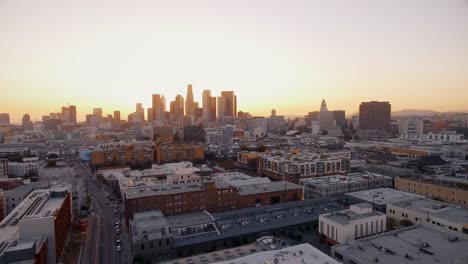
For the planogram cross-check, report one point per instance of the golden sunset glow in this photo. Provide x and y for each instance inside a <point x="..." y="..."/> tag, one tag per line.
<point x="273" y="54"/>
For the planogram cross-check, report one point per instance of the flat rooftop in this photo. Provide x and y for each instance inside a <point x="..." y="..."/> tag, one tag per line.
<point x="346" y="217"/>
<point x="147" y="225"/>
<point x="437" y="209"/>
<point x="383" y="196"/>
<point x="191" y="219"/>
<point x="416" y="245"/>
<point x="299" y="254"/>
<point x="344" y="179"/>
<point x="276" y="186"/>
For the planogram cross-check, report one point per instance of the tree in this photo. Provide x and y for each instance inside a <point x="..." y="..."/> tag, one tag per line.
<point x="52" y="156"/>
<point x="406" y="222"/>
<point x="391" y="223"/>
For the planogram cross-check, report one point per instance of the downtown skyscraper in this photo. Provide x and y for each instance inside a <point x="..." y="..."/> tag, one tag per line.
<point x="189" y="102"/>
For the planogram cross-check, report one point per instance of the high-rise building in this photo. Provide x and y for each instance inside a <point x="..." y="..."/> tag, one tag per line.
<point x="117" y="116"/>
<point x="189" y="103"/>
<point x="375" y="116"/>
<point x="140" y="112"/>
<point x="97" y="112"/>
<point x="72" y="113"/>
<point x="230" y="103"/>
<point x="340" y="117"/>
<point x="26" y="121"/>
<point x="179" y="106"/>
<point x="150" y="114"/>
<point x="221" y="107"/>
<point x="206" y="102"/>
<point x="88" y="118"/>
<point x="65" y="114"/>
<point x="273" y="112"/>
<point x="4" y="119"/>
<point x="213" y="108"/>
<point x="158" y="107"/>
<point x="325" y="118"/>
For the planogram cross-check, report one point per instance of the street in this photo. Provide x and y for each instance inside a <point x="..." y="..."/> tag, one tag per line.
<point x="101" y="243"/>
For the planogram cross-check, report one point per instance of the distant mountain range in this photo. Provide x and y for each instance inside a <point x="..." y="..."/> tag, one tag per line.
<point x="416" y="112"/>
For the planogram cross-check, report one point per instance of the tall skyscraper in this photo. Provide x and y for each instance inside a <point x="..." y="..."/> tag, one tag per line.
<point x="189" y="103"/>
<point x="158" y="107"/>
<point x="4" y="119"/>
<point x="97" y="112"/>
<point x="117" y="116"/>
<point x="273" y="112"/>
<point x="26" y="121"/>
<point x="230" y="103"/>
<point x="206" y="102"/>
<point x="150" y="114"/>
<point x="221" y="107"/>
<point x="140" y="112"/>
<point x="325" y="117"/>
<point x="213" y="108"/>
<point x="340" y="117"/>
<point x="179" y="106"/>
<point x="375" y="116"/>
<point x="65" y="114"/>
<point x="72" y="113"/>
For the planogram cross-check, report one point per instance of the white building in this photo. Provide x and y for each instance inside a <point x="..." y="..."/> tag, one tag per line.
<point x="360" y="220"/>
<point x="19" y="169"/>
<point x="326" y="118"/>
<point x="410" y="126"/>
<point x="438" y="215"/>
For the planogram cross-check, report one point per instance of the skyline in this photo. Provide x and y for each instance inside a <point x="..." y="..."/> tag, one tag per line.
<point x="274" y="55"/>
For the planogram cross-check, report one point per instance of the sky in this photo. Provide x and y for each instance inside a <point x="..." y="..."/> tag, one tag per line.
<point x="283" y="55"/>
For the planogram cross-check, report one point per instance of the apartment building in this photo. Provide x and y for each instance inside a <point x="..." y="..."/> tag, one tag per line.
<point x="339" y="184"/>
<point x="175" y="152"/>
<point x="294" y="167"/>
<point x="43" y="213"/>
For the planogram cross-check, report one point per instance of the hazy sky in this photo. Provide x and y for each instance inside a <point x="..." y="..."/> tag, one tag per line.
<point x="283" y="54"/>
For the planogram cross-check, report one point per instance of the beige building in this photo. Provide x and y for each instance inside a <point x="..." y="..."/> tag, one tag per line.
<point x="453" y="192"/>
<point x="360" y="220"/>
<point x="438" y="215"/>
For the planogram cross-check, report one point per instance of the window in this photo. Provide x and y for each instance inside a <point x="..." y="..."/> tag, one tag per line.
<point x="355" y="231"/>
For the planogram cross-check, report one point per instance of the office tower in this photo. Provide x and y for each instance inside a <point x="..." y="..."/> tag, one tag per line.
<point x="206" y="101"/>
<point x="221" y="107"/>
<point x="163" y="105"/>
<point x="26" y="121"/>
<point x="150" y="114"/>
<point x="230" y="103"/>
<point x="179" y="106"/>
<point x="117" y="116"/>
<point x="4" y="119"/>
<point x="72" y="113"/>
<point x="312" y="116"/>
<point x="172" y="107"/>
<point x="340" y="117"/>
<point x="158" y="107"/>
<point x="45" y="118"/>
<point x="65" y="114"/>
<point x="325" y="117"/>
<point x="273" y="113"/>
<point x="97" y="112"/>
<point x="189" y="103"/>
<point x="140" y="112"/>
<point x="375" y="116"/>
<point x="213" y="108"/>
<point x="88" y="118"/>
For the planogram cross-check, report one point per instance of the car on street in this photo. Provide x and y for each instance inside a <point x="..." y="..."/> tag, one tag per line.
<point x="117" y="241"/>
<point x="119" y="248"/>
<point x="117" y="231"/>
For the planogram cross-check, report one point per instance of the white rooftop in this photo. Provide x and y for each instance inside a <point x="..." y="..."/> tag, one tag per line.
<point x="299" y="254"/>
<point x="384" y="196"/>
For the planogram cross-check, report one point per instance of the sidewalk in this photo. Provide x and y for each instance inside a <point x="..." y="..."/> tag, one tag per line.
<point x="126" y="254"/>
